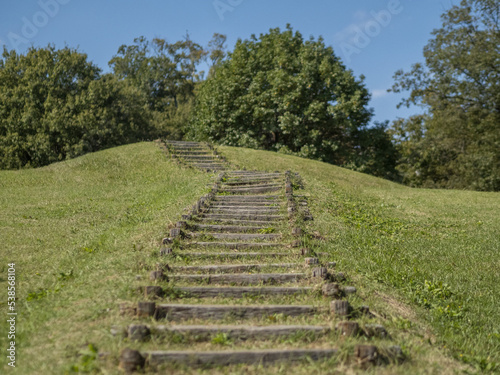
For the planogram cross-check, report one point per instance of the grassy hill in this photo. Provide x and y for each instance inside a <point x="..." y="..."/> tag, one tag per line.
<point x="427" y="261"/>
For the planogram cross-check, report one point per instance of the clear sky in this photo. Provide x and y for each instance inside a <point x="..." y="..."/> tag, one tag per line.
<point x="373" y="37"/>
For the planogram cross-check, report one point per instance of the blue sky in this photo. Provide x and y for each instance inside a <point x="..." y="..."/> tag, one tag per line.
<point x="373" y="37"/>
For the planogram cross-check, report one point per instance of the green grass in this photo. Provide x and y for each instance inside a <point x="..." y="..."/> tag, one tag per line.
<point x="437" y="250"/>
<point x="77" y="231"/>
<point x="426" y="261"/>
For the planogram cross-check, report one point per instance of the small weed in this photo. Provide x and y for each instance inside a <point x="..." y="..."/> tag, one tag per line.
<point x="42" y="293"/>
<point x="65" y="276"/>
<point x="87" y="361"/>
<point x="221" y="338"/>
<point x="267" y="230"/>
<point x="275" y="318"/>
<point x="401" y="323"/>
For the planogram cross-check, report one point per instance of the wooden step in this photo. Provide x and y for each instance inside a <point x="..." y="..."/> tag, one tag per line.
<point x="238" y="292"/>
<point x="226" y="228"/>
<point x="207" y="164"/>
<point x="247" y="205"/>
<point x="227" y="268"/>
<point x="190" y="148"/>
<point x="242" y="279"/>
<point x="217" y="312"/>
<point x="236" y="255"/>
<point x="252" y="182"/>
<point x="238" y="198"/>
<point x="198" y="157"/>
<point x="244" y="211"/>
<point x="238" y="236"/>
<point x="234" y="332"/>
<point x="242" y="217"/>
<point x="265" y="224"/>
<point x="252" y="186"/>
<point x="233" y="174"/>
<point x="209" y="160"/>
<point x="188" y="152"/>
<point x="232" y="357"/>
<point x="256" y="204"/>
<point x="252" y="190"/>
<point x="235" y="245"/>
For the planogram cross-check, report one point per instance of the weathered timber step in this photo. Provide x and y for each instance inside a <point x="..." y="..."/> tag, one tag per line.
<point x="188" y="152"/>
<point x="247" y="202"/>
<point x="217" y="312"/>
<point x="246" y="183"/>
<point x="226" y="268"/>
<point x="242" y="217"/>
<point x="245" y="255"/>
<point x="190" y="148"/>
<point x="201" y="161"/>
<point x="236" y="245"/>
<point x="226" y="228"/>
<point x="238" y="236"/>
<point x="232" y="357"/>
<point x="235" y="332"/>
<point x="244" y="174"/>
<point x="236" y="222"/>
<point x="237" y="198"/>
<point x="252" y="190"/>
<point x="208" y="161"/>
<point x="247" y="205"/>
<point x="237" y="211"/>
<point x="173" y="141"/>
<point x="253" y="182"/>
<point x="198" y="157"/>
<point x="244" y="204"/>
<point x="185" y="143"/>
<point x="242" y="279"/>
<point x="250" y="176"/>
<point x="207" y="164"/>
<point x="251" y="186"/>
<point x="209" y="167"/>
<point x="244" y="210"/>
<point x="238" y="292"/>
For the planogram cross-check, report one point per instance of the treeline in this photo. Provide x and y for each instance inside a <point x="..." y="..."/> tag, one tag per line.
<point x="276" y="92"/>
<point x="56" y="104"/>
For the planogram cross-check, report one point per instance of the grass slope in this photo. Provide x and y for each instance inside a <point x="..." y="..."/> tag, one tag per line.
<point x="426" y="261"/>
<point x="437" y="250"/>
<point x="76" y="231"/>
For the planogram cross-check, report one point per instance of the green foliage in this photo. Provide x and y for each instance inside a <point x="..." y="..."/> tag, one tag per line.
<point x="283" y="93"/>
<point x="87" y="361"/>
<point x="456" y="143"/>
<point x="267" y="230"/>
<point x="221" y="338"/>
<point x="166" y="74"/>
<point x="55" y="106"/>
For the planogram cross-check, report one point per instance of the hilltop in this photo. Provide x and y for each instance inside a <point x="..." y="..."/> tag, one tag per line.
<point x="425" y="260"/>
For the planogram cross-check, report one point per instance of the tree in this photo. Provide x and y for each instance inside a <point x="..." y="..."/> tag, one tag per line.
<point x="283" y="93"/>
<point x="216" y="51"/>
<point x="456" y="142"/>
<point x="166" y="73"/>
<point x="55" y="105"/>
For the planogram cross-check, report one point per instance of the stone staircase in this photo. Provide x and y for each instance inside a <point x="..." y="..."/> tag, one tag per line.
<point x="196" y="154"/>
<point x="239" y="282"/>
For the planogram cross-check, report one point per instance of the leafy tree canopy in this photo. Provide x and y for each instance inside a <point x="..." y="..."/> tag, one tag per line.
<point x="455" y="143"/>
<point x="55" y="105"/>
<point x="167" y="74"/>
<point x="281" y="92"/>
